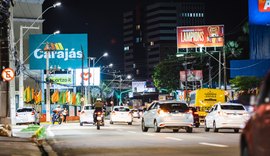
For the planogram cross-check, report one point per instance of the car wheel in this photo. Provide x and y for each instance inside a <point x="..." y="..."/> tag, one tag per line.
<point x="197" y="125"/>
<point x="189" y="129"/>
<point x="81" y="124"/>
<point x="205" y="127"/>
<point x="156" y="128"/>
<point x="175" y="130"/>
<point x="144" y="129"/>
<point x="129" y="123"/>
<point x="111" y="122"/>
<point x="214" y="127"/>
<point x="236" y="130"/>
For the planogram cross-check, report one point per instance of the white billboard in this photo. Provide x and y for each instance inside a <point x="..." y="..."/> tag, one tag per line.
<point x="89" y="76"/>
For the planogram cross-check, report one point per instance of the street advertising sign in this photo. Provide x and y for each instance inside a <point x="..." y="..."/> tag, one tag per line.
<point x="8" y="74"/>
<point x="200" y="36"/>
<point x="61" y="81"/>
<point x="141" y="86"/>
<point x="259" y="12"/>
<point x="92" y="78"/>
<point x="192" y="75"/>
<point x="64" y="50"/>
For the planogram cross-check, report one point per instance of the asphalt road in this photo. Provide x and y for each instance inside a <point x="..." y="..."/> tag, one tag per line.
<point x="71" y="139"/>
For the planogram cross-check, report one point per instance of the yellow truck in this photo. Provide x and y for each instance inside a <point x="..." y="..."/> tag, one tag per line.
<point x="203" y="99"/>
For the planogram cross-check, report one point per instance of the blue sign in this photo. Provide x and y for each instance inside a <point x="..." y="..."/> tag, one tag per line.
<point x="64" y="50"/>
<point x="259" y="12"/>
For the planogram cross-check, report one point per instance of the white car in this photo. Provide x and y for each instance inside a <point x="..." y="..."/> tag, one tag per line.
<point x="121" y="114"/>
<point x="86" y="114"/>
<point x="226" y="116"/>
<point x="26" y="115"/>
<point x="169" y="114"/>
<point x="135" y="113"/>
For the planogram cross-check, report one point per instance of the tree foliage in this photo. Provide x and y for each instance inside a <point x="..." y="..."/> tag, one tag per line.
<point x="244" y="83"/>
<point x="166" y="74"/>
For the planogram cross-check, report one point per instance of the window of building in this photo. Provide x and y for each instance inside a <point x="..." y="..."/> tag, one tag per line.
<point x="126" y="48"/>
<point x="152" y="43"/>
<point x="138" y="27"/>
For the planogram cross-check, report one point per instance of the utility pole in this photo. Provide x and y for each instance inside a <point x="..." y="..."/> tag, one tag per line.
<point x="21" y="87"/>
<point x="219" y="69"/>
<point x="209" y="74"/>
<point x="82" y="86"/>
<point x="224" y="64"/>
<point x="48" y="103"/>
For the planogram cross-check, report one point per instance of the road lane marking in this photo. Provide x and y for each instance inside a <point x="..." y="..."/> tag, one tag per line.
<point x="171" y="138"/>
<point x="149" y="134"/>
<point x="132" y="132"/>
<point x="216" y="145"/>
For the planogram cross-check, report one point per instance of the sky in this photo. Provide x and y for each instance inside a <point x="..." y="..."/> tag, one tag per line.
<point x="102" y="21"/>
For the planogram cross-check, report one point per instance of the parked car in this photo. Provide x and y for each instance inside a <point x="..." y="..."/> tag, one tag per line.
<point x="196" y="118"/>
<point x="226" y="116"/>
<point x="135" y="113"/>
<point x="86" y="114"/>
<point x="169" y="114"/>
<point x="121" y="114"/>
<point x="255" y="136"/>
<point x="27" y="115"/>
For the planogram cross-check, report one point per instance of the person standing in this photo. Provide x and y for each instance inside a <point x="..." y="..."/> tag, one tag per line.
<point x="65" y="112"/>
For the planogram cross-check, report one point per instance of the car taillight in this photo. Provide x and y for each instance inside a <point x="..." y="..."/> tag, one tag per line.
<point x="113" y="112"/>
<point x="162" y="112"/>
<point x="189" y="111"/>
<point x="82" y="112"/>
<point x="33" y="113"/>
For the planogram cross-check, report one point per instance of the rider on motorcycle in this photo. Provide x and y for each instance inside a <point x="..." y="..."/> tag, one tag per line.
<point x="98" y="105"/>
<point x="56" y="113"/>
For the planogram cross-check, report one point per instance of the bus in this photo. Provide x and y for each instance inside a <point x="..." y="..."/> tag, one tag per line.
<point x="203" y="99"/>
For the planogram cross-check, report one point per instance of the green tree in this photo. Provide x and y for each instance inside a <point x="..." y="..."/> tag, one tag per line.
<point x="245" y="83"/>
<point x="166" y="74"/>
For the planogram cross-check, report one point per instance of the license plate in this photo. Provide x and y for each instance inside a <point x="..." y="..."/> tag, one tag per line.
<point x="98" y="118"/>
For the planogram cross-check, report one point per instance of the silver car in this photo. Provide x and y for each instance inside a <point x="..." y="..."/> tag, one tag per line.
<point x="174" y="115"/>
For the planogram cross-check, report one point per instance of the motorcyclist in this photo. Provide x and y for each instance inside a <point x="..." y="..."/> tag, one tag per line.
<point x="98" y="106"/>
<point x="56" y="113"/>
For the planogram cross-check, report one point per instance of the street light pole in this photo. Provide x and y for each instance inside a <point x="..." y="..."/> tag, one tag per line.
<point x="21" y="87"/>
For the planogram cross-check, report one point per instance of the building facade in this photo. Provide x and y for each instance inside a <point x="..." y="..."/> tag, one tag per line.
<point x="149" y="33"/>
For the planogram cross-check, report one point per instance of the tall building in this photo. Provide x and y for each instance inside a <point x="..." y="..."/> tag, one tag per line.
<point x="150" y="33"/>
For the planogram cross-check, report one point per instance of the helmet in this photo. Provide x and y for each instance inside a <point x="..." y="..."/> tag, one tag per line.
<point x="99" y="99"/>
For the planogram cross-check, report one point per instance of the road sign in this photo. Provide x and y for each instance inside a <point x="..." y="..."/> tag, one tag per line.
<point x="8" y="74"/>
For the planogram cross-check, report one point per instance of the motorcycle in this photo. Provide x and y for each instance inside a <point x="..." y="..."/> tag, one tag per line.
<point x="99" y="119"/>
<point x="57" y="117"/>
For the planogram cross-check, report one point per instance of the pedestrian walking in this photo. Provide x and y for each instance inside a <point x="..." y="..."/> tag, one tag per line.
<point x="65" y="112"/>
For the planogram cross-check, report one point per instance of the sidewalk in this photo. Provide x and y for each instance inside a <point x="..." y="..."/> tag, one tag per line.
<point x="24" y="144"/>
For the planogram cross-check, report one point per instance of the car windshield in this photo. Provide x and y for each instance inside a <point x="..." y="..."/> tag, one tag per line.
<point x="121" y="109"/>
<point x="88" y="107"/>
<point x="25" y="110"/>
<point x="232" y="107"/>
<point x="174" y="107"/>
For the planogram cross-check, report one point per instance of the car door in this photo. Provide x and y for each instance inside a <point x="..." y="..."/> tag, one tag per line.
<point x="210" y="116"/>
<point x="148" y="115"/>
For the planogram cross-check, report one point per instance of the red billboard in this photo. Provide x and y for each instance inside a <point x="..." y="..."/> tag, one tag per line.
<point x="200" y="36"/>
<point x="264" y="5"/>
<point x="192" y="75"/>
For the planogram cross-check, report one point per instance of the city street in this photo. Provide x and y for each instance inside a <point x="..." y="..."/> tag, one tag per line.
<point x="124" y="139"/>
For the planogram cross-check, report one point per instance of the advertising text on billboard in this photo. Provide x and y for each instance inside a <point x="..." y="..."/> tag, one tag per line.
<point x="200" y="36"/>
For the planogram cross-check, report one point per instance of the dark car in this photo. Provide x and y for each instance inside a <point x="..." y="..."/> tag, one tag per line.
<point x="195" y="116"/>
<point x="255" y="137"/>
